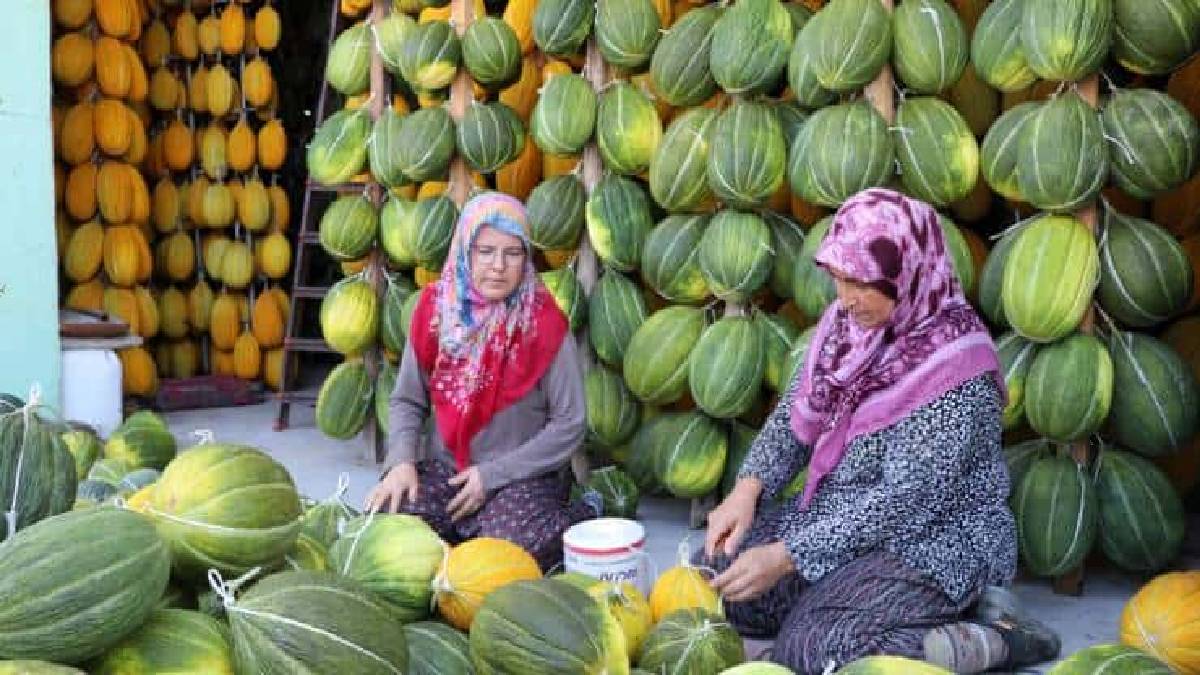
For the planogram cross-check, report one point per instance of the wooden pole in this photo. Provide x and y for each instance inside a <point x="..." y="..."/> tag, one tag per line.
<point x="376" y="450"/>
<point x="1071" y="583"/>
<point x="461" y="96"/>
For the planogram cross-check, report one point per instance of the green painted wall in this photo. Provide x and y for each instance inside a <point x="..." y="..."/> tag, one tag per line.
<point x="29" y="346"/>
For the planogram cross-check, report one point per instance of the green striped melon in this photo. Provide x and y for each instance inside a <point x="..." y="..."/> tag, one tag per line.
<point x="747" y="157"/>
<point x="1142" y="522"/>
<point x="348" y="227"/>
<point x="383" y="149"/>
<point x="692" y="641"/>
<point x="1069" y="388"/>
<point x="628" y="129"/>
<point x="1066" y="40"/>
<point x="1062" y="162"/>
<point x="85" y="447"/>
<point x="678" y="170"/>
<point x="435" y="648"/>
<point x="741" y="437"/>
<point x="338" y="151"/>
<point x="931" y="45"/>
<point x="568" y="294"/>
<point x="670" y="263"/>
<point x="725" y="370"/>
<point x="76" y="584"/>
<point x="344" y="400"/>
<point x="750" y="43"/>
<point x="324" y="520"/>
<point x="1154" y="141"/>
<point x="1051" y="272"/>
<point x="679" y="67"/>
<point x="555" y="211"/>
<point x="890" y="665"/>
<point x="795" y="358"/>
<point x="391" y="315"/>
<point x="1001" y="150"/>
<point x="142" y="440"/>
<point x="1016" y="356"/>
<point x="435" y="217"/>
<point x="350" y="316"/>
<point x="426" y="144"/>
<point x="1021" y="456"/>
<point x="656" y="360"/>
<point x="1057" y="515"/>
<point x="735" y="255"/>
<point x="939" y="157"/>
<point x="565" y="114"/>
<point x="491" y="52"/>
<point x="390" y="35"/>
<point x="410" y="306"/>
<point x="311" y="622"/>
<point x="1152" y="37"/>
<point x="626" y="32"/>
<point x="812" y="287"/>
<point x="640" y="462"/>
<point x="109" y="470"/>
<point x="37" y="472"/>
<point x="991" y="280"/>
<point x="398" y="231"/>
<point x="546" y="627"/>
<point x="307" y="554"/>
<point x="27" y="667"/>
<point x="787" y="238"/>
<point x="779" y="335"/>
<point x="618" y="220"/>
<point x="485" y="139"/>
<point x="855" y="41"/>
<point x="1111" y="660"/>
<point x="224" y="506"/>
<point x="618" y="490"/>
<point x="689" y="451"/>
<point x="394" y="555"/>
<point x="1145" y="275"/>
<point x="613" y="413"/>
<point x="171" y="641"/>
<point x="840" y="151"/>
<point x="791" y="117"/>
<point x="802" y="76"/>
<point x="385" y="383"/>
<point x="560" y="27"/>
<point x="431" y="56"/>
<point x="1156" y="399"/>
<point x="348" y="65"/>
<point x="996" y="50"/>
<point x="960" y="254"/>
<point x="615" y="310"/>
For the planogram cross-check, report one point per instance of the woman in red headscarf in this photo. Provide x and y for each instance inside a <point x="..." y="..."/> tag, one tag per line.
<point x="902" y="529"/>
<point x="490" y="356"/>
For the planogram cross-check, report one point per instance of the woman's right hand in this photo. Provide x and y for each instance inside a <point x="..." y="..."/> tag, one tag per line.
<point x="398" y="484"/>
<point x="731" y="520"/>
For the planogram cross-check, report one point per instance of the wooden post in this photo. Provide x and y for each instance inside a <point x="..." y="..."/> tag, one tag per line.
<point x="461" y="96"/>
<point x="1071" y="583"/>
<point x="376" y="450"/>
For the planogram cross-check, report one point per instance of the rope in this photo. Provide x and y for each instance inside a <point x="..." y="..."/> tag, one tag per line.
<point x="35" y="399"/>
<point x="356" y="536"/>
<point x="225" y="590"/>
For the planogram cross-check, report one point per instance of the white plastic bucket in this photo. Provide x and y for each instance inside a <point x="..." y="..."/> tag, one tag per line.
<point x="91" y="388"/>
<point x="612" y="549"/>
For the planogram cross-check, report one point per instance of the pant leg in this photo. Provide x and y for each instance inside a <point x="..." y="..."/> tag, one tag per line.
<point x="533" y="514"/>
<point x="433" y="495"/>
<point x="873" y="605"/>
<point x="762" y="616"/>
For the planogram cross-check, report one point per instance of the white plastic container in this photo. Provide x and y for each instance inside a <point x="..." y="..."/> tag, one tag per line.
<point x="612" y="549"/>
<point x="91" y="388"/>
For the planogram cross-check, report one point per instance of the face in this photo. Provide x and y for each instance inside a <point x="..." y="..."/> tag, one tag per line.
<point x="866" y="304"/>
<point x="497" y="263"/>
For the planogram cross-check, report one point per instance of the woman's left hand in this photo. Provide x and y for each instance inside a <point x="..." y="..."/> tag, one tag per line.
<point x="470" y="497"/>
<point x="753" y="572"/>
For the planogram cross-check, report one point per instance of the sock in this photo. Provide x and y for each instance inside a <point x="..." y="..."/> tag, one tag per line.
<point x="965" y="647"/>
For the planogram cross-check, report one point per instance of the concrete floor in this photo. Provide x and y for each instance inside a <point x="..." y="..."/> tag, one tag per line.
<point x="316" y="463"/>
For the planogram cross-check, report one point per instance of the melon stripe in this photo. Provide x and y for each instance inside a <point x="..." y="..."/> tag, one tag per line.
<point x="1144" y="381"/>
<point x="269" y="616"/>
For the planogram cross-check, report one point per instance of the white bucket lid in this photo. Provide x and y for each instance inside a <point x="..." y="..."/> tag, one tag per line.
<point x="604" y="536"/>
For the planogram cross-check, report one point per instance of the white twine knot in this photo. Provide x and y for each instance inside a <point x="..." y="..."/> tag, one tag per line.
<point x="205" y="436"/>
<point x="226" y="590"/>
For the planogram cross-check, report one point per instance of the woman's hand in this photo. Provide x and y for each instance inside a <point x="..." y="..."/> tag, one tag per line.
<point x="470" y="497"/>
<point x="731" y="520"/>
<point x="754" y="572"/>
<point x="398" y="484"/>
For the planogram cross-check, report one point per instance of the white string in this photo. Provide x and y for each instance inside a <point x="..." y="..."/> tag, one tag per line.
<point x="226" y="590"/>
<point x="441" y="581"/>
<point x="205" y="436"/>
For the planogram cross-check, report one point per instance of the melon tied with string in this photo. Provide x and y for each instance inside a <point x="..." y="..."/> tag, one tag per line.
<point x="692" y="641"/>
<point x="323" y="521"/>
<point x="394" y="555"/>
<point x="37" y="471"/>
<point x="224" y="506"/>
<point x="308" y="623"/>
<point x="684" y="586"/>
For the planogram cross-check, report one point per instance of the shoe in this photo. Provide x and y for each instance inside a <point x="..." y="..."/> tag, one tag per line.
<point x="1029" y="641"/>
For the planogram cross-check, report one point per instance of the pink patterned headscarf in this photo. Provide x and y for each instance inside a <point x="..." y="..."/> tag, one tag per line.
<point x="859" y="380"/>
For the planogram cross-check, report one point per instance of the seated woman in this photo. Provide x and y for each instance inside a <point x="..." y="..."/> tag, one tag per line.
<point x="902" y="528"/>
<point x="490" y="352"/>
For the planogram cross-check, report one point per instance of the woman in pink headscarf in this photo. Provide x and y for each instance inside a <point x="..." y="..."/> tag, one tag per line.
<point x="901" y="540"/>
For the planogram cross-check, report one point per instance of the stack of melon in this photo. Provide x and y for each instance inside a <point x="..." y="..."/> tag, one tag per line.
<point x="168" y="124"/>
